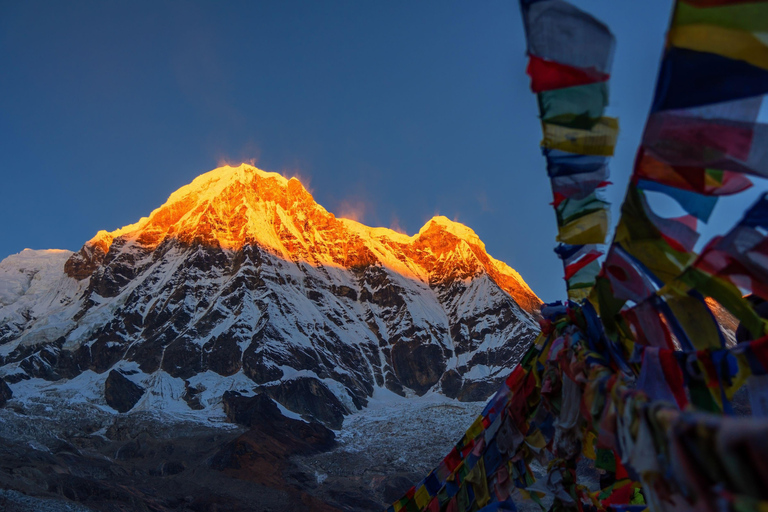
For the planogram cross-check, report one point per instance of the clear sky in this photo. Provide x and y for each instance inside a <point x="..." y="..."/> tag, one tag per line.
<point x="389" y="111"/>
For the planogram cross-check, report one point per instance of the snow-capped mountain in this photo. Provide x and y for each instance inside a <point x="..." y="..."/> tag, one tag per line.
<point x="241" y="281"/>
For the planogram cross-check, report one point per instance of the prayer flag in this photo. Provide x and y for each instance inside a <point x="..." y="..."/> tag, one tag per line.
<point x="580" y="107"/>
<point x="559" y="32"/>
<point x="589" y="229"/>
<point x="695" y="179"/>
<point x="600" y="140"/>
<point x="628" y="279"/>
<point x="547" y="75"/>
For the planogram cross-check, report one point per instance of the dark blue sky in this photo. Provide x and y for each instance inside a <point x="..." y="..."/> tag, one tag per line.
<point x="402" y="109"/>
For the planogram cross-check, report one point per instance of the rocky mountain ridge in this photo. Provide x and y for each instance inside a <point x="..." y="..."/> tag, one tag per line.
<point x="242" y="282"/>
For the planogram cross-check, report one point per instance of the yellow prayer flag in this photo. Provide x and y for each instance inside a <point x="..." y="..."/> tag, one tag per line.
<point x="479" y="481"/>
<point x="577" y="294"/>
<point x="664" y="262"/>
<point x="475" y="429"/>
<point x="589" y="445"/>
<point x="589" y="229"/>
<point x="599" y="140"/>
<point x="695" y="319"/>
<point x="422" y="497"/>
<point x="536" y="441"/>
<point x="733" y="44"/>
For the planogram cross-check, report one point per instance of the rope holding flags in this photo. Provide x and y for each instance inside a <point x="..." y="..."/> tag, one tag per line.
<point x="634" y="374"/>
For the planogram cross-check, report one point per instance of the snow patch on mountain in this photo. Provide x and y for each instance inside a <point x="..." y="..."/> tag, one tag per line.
<point x="30" y="273"/>
<point x="37" y="299"/>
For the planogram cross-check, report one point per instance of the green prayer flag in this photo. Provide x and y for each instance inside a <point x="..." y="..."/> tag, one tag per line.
<point x="572" y="209"/>
<point x="575" y="107"/>
<point x="606" y="460"/>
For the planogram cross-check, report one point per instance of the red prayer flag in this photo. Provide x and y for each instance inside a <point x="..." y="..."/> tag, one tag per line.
<point x="588" y="258"/>
<point x="452" y="460"/>
<point x="547" y="75"/>
<point x="674" y="376"/>
<point x="694" y="138"/>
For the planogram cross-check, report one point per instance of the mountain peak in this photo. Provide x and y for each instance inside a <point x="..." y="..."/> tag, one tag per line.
<point x="228" y="207"/>
<point x="440" y="223"/>
<point x="232" y="207"/>
<point x="212" y="183"/>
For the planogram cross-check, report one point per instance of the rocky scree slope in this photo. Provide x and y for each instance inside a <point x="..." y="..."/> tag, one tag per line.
<point x="242" y="282"/>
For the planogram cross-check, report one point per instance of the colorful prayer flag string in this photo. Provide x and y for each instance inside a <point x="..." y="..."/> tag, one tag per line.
<point x="635" y="373"/>
<point x="570" y="56"/>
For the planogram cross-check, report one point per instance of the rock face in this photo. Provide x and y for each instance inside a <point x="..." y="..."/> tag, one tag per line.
<point x="120" y="393"/>
<point x="5" y="393"/>
<point x="241" y="278"/>
<point x="249" y="411"/>
<point x="310" y="396"/>
<point x="263" y="419"/>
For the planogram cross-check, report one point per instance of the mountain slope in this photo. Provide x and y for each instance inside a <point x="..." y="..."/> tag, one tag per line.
<point x="241" y="281"/>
